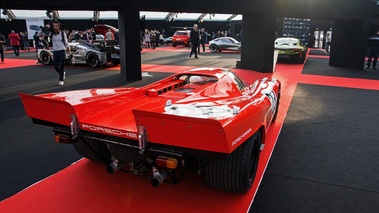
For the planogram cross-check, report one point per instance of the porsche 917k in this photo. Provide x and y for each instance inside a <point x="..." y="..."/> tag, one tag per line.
<point x="205" y="120"/>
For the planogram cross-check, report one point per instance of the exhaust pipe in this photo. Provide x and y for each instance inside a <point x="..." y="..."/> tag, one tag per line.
<point x="158" y="176"/>
<point x="112" y="167"/>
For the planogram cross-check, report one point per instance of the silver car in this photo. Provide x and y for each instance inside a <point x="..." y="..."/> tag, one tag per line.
<point x="83" y="53"/>
<point x="224" y="43"/>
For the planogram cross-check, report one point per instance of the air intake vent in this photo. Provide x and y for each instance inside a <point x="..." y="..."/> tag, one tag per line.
<point x="165" y="88"/>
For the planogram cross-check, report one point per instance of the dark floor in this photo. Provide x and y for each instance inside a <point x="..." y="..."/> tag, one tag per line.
<point x="325" y="159"/>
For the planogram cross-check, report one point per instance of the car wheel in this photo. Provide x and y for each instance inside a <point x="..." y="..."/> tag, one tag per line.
<point x="301" y="59"/>
<point x="93" y="150"/>
<point x="174" y="45"/>
<point x="236" y="173"/>
<point x="45" y="58"/>
<point x="92" y="60"/>
<point x="213" y="48"/>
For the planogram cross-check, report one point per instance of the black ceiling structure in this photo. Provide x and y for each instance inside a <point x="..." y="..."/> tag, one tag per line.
<point x="352" y="19"/>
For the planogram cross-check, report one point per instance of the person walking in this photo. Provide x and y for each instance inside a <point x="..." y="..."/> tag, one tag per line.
<point x="373" y="43"/>
<point x="37" y="41"/>
<point x="328" y="42"/>
<point x="60" y="44"/>
<point x="194" y="39"/>
<point x="25" y="39"/>
<point x="109" y="36"/>
<point x="203" y="39"/>
<point x="147" y="39"/>
<point x="2" y="46"/>
<point x="14" y="41"/>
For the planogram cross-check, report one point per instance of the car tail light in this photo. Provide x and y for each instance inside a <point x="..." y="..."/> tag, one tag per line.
<point x="167" y="162"/>
<point x="62" y="139"/>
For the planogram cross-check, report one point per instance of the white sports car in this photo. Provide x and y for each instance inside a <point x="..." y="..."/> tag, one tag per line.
<point x="83" y="53"/>
<point x="224" y="43"/>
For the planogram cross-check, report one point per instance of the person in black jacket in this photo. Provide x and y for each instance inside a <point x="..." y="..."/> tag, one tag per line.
<point x="2" y="46"/>
<point x="203" y="39"/>
<point x="194" y="39"/>
<point x="373" y="43"/>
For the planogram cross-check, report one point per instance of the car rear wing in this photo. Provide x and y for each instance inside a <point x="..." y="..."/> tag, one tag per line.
<point x="45" y="109"/>
<point x="181" y="131"/>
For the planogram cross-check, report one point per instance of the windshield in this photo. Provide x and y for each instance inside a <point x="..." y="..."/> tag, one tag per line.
<point x="181" y="33"/>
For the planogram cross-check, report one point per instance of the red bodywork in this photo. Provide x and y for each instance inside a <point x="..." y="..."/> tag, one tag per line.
<point x="103" y="28"/>
<point x="181" y="37"/>
<point x="215" y="113"/>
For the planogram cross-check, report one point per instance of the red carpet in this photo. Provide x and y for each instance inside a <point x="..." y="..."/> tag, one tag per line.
<point x="14" y="62"/>
<point x="87" y="187"/>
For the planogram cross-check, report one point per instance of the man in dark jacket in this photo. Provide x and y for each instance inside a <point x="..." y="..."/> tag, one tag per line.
<point x="194" y="39"/>
<point x="2" y="46"/>
<point x="373" y="43"/>
<point x="203" y="39"/>
<point x="37" y="41"/>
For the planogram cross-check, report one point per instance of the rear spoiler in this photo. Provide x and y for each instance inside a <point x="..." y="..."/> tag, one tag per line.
<point x="188" y="132"/>
<point x="47" y="109"/>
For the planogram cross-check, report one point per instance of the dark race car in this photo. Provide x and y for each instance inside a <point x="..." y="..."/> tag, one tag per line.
<point x="83" y="53"/>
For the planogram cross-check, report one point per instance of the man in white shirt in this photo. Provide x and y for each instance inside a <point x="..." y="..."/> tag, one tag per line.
<point x="60" y="44"/>
<point x="109" y="36"/>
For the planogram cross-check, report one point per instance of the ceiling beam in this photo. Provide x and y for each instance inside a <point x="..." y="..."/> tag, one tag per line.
<point x="201" y="17"/>
<point x="9" y="14"/>
<point x="231" y="17"/>
<point x="170" y="16"/>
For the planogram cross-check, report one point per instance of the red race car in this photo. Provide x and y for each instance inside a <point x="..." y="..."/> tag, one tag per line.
<point x="205" y="120"/>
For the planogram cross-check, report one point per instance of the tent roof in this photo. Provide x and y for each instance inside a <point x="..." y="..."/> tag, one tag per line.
<point x="64" y="14"/>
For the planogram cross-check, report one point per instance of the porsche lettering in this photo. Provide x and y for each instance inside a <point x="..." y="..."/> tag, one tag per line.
<point x="241" y="137"/>
<point x="109" y="131"/>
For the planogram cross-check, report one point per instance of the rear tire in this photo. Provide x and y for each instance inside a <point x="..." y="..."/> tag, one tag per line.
<point x="301" y="59"/>
<point x="45" y="58"/>
<point x="213" y="48"/>
<point x="236" y="173"/>
<point x="92" y="60"/>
